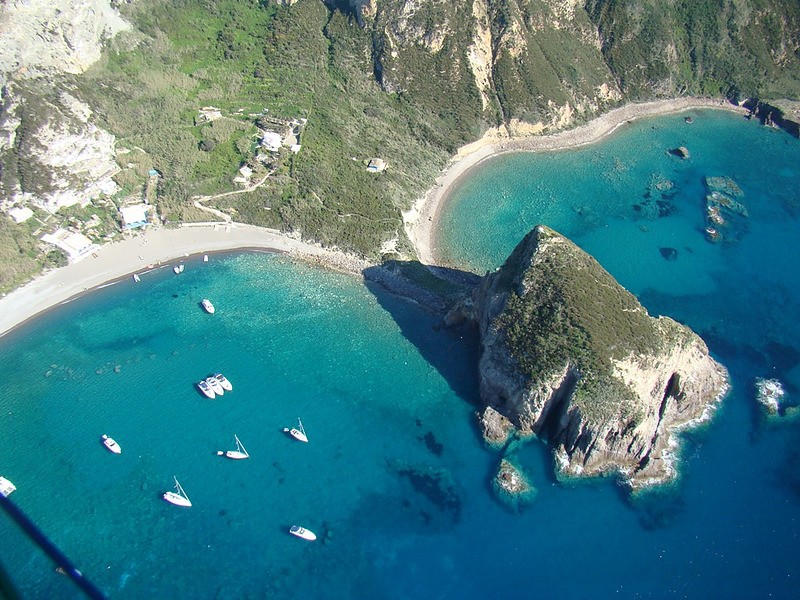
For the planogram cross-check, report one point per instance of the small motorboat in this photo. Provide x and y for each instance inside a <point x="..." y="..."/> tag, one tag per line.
<point x="205" y="257"/>
<point x="298" y="433"/>
<point x="302" y="532"/>
<point x="206" y="389"/>
<point x="178" y="497"/>
<point x="207" y="306"/>
<point x="214" y="385"/>
<point x="6" y="487"/>
<point x="136" y="278"/>
<point x="111" y="444"/>
<point x="178" y="269"/>
<point x="223" y="381"/>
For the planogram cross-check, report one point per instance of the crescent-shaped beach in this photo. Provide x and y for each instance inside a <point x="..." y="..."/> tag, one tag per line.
<point x="421" y="221"/>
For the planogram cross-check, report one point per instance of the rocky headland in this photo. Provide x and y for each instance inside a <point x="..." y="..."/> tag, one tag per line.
<point x="570" y="356"/>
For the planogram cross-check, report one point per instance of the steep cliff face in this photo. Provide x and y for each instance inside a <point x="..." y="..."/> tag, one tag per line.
<point x="571" y="356"/>
<point x="51" y="154"/>
<point x="536" y="60"/>
<point x="62" y="36"/>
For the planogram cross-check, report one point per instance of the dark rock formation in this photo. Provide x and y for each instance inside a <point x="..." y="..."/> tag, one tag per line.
<point x="571" y="356"/>
<point x="681" y="152"/>
<point x="511" y="485"/>
<point x="669" y="253"/>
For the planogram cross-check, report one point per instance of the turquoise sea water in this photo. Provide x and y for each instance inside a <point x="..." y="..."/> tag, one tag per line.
<point x="395" y="480"/>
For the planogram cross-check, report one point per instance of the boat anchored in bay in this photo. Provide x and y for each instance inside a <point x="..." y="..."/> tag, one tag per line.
<point x="6" y="487"/>
<point x="223" y="381"/>
<point x="302" y="532"/>
<point x="215" y="385"/>
<point x="110" y="444"/>
<point x="298" y="433"/>
<point x="178" y="497"/>
<point x="238" y="454"/>
<point x="206" y="389"/>
<point x="207" y="306"/>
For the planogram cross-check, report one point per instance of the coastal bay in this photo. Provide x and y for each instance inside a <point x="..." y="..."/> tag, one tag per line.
<point x="394" y="479"/>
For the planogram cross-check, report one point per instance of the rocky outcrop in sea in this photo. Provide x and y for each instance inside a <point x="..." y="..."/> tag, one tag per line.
<point x="570" y="356"/>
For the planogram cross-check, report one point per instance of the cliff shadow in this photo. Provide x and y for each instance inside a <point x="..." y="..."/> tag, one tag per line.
<point x="417" y="300"/>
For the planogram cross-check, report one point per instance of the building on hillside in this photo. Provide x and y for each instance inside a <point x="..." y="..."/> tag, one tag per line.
<point x="20" y="214"/>
<point x="134" y="216"/>
<point x="272" y="141"/>
<point x="245" y="173"/>
<point x="76" y="245"/>
<point x="208" y="114"/>
<point x="376" y="165"/>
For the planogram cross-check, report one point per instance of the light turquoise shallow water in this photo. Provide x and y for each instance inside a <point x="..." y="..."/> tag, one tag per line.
<point x="395" y="479"/>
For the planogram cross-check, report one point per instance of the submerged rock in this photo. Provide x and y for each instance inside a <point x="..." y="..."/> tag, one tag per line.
<point x="570" y="355"/>
<point x="681" y="152"/>
<point x="726" y="185"/>
<point x="669" y="254"/>
<point x="725" y="216"/>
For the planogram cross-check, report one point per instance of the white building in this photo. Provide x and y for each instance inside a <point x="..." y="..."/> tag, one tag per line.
<point x="20" y="215"/>
<point x="245" y="173"/>
<point x="376" y="165"/>
<point x="76" y="245"/>
<point x="272" y="141"/>
<point x="134" y="216"/>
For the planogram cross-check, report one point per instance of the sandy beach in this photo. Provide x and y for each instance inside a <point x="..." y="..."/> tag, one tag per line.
<point x="421" y="221"/>
<point x="147" y="250"/>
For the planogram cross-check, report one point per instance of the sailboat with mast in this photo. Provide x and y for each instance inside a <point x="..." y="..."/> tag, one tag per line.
<point x="298" y="433"/>
<point x="179" y="496"/>
<point x="237" y="454"/>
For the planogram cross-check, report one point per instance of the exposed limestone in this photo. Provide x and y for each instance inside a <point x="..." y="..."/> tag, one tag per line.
<point x="480" y="52"/>
<point x="64" y="36"/>
<point x="571" y="356"/>
<point x="62" y="158"/>
<point x="494" y="426"/>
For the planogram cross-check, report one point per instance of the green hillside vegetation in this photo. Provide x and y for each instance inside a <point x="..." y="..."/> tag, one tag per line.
<point x="567" y="309"/>
<point x="733" y="48"/>
<point x="398" y="86"/>
<point x="298" y="62"/>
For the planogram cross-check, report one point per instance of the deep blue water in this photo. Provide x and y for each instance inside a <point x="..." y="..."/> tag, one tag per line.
<point x="395" y="479"/>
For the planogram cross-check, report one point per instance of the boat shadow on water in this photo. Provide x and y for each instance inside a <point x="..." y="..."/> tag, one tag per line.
<point x="418" y="300"/>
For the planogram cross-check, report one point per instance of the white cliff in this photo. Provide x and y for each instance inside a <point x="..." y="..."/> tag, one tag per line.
<point x="44" y="36"/>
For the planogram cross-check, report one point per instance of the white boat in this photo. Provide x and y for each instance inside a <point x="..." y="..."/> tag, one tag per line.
<point x="302" y="532"/>
<point x="6" y="487"/>
<point x="178" y="269"/>
<point x="205" y="257"/>
<point x="178" y="497"/>
<point x="237" y="454"/>
<point x="298" y="433"/>
<point x="111" y="444"/>
<point x="214" y="385"/>
<point x="207" y="306"/>
<point x="223" y="381"/>
<point x="206" y="389"/>
<point x="136" y="277"/>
